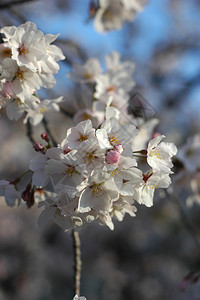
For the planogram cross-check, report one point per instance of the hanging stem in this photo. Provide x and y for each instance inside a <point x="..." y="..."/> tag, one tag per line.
<point x="77" y="261"/>
<point x="45" y="123"/>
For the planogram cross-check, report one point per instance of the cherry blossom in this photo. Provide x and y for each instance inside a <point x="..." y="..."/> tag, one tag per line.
<point x="25" y="68"/>
<point x="86" y="72"/>
<point x="159" y="156"/>
<point x="144" y="191"/>
<point x="111" y="14"/>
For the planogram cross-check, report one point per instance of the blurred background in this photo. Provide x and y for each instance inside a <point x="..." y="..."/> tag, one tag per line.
<point x="147" y="257"/>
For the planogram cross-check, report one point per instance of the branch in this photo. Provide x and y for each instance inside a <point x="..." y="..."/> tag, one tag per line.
<point x="77" y="261"/>
<point x="29" y="132"/>
<point x="46" y="126"/>
<point x="66" y="113"/>
<point x="6" y="5"/>
<point x="73" y="44"/>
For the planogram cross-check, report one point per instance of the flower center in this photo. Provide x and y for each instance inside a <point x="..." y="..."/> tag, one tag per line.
<point x="114" y="139"/>
<point x="157" y="153"/>
<point x="70" y="171"/>
<point x="97" y="190"/>
<point x="82" y="137"/>
<point x="43" y="110"/>
<point x="22" y="50"/>
<point x="117" y="172"/>
<point x="6" y="52"/>
<point x="111" y="88"/>
<point x="90" y="156"/>
<point x="19" y="75"/>
<point x="87" y="75"/>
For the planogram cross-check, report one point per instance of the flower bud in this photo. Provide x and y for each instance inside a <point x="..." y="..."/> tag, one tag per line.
<point x="155" y="135"/>
<point x="45" y="137"/>
<point x="112" y="157"/>
<point x="38" y="147"/>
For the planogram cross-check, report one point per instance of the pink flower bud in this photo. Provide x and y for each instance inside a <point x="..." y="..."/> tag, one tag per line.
<point x="112" y="157"/>
<point x="45" y="137"/>
<point x="155" y="135"/>
<point x="38" y="147"/>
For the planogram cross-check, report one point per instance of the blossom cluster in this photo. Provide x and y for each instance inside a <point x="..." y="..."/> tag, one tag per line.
<point x="94" y="174"/>
<point x="24" y="68"/>
<point x="113" y="85"/>
<point x="111" y="14"/>
<point x="106" y="164"/>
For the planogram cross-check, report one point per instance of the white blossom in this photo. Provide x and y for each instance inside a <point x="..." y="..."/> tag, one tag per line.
<point x="144" y="191"/>
<point x="159" y="155"/>
<point x="37" y="109"/>
<point x="112" y="133"/>
<point x="112" y="13"/>
<point x="79" y="135"/>
<point x="86" y="72"/>
<point x="99" y="193"/>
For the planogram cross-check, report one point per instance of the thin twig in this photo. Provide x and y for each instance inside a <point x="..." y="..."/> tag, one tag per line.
<point x="77" y="262"/>
<point x="46" y="126"/>
<point x="29" y="132"/>
<point x="8" y="4"/>
<point x="68" y="42"/>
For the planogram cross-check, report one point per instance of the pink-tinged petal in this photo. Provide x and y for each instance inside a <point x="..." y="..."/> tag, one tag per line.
<point x="112" y="157"/>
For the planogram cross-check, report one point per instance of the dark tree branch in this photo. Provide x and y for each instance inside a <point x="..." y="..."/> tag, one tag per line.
<point x="73" y="44"/>
<point x="29" y="132"/>
<point x="66" y="113"/>
<point x="46" y="126"/>
<point x="16" y="2"/>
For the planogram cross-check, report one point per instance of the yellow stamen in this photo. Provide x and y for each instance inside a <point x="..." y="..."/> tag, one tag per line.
<point x="97" y="190"/>
<point x="43" y="110"/>
<point x="19" y="75"/>
<point x="156" y="152"/>
<point x="6" y="52"/>
<point x="70" y="171"/>
<point x="114" y="139"/>
<point x="117" y="171"/>
<point x="82" y="137"/>
<point x="22" y="50"/>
